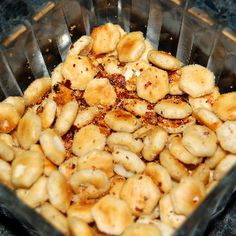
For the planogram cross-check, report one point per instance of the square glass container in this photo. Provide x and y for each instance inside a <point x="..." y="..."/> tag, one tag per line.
<point x="33" y="47"/>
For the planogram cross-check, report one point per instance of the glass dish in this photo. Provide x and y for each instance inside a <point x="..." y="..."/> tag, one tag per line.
<point x="33" y="48"/>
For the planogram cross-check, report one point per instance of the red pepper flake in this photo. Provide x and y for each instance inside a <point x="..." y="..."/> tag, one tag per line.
<point x="56" y="88"/>
<point x="74" y="65"/>
<point x="148" y="84"/>
<point x="44" y="96"/>
<point x="99" y="55"/>
<point x="67" y="83"/>
<point x="99" y="121"/>
<point x="105" y="130"/>
<point x="171" y="72"/>
<point x="71" y="46"/>
<point x="100" y="75"/>
<point x="150" y="106"/>
<point x="122" y="64"/>
<point x="138" y="209"/>
<point x="150" y="118"/>
<point x="68" y="140"/>
<point x="101" y="68"/>
<point x="117" y="80"/>
<point x="82" y="103"/>
<point x="63" y="94"/>
<point x="73" y="166"/>
<point x="39" y="109"/>
<point x="78" y="94"/>
<point x="70" y="134"/>
<point x="119" y="103"/>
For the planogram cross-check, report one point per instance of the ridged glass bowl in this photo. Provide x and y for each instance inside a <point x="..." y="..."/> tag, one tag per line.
<point x="34" y="47"/>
